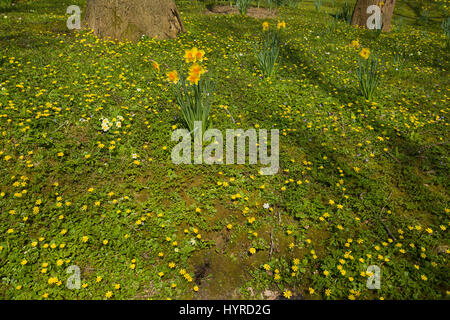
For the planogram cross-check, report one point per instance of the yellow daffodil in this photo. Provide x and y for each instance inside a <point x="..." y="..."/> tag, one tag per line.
<point x="281" y="24"/>
<point x="197" y="69"/>
<point x="155" y="65"/>
<point x="193" y="78"/>
<point x="172" y="76"/>
<point x="365" y="52"/>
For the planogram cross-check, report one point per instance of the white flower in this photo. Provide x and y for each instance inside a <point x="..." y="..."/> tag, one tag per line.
<point x="105" y="127"/>
<point x="105" y="124"/>
<point x="134" y="156"/>
<point x="118" y="124"/>
<point x="266" y="205"/>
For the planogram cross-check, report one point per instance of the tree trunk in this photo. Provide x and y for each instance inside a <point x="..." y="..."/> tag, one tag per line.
<point x="360" y="15"/>
<point x="131" y="19"/>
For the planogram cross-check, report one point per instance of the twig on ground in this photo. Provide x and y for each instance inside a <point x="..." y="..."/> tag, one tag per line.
<point x="271" y="243"/>
<point x="379" y="218"/>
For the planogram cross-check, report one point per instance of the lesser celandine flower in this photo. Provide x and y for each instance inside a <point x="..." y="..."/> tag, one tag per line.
<point x="265" y="26"/>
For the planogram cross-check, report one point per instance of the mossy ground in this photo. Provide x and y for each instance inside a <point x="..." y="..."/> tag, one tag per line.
<point x="114" y="204"/>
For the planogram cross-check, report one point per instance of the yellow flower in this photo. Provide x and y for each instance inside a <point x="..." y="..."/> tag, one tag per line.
<point x="155" y="65"/>
<point x="265" y="26"/>
<point x="172" y="76"/>
<point x="287" y="294"/>
<point x="252" y="250"/>
<point x="194" y="55"/>
<point x="197" y="69"/>
<point x="365" y="52"/>
<point x="193" y="78"/>
<point x="190" y="55"/>
<point x="108" y="294"/>
<point x="355" y="43"/>
<point x="281" y="24"/>
<point x="200" y="55"/>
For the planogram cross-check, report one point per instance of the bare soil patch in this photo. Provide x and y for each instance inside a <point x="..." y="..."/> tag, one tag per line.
<point x="258" y="13"/>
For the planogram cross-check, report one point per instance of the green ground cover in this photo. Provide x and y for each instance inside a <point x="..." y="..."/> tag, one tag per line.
<point x="360" y="183"/>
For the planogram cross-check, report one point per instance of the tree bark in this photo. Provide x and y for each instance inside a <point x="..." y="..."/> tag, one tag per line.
<point x="360" y="14"/>
<point x="131" y="19"/>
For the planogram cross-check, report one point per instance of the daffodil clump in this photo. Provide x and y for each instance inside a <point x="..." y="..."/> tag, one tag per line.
<point x="445" y="26"/>
<point x="194" y="92"/>
<point x="368" y="73"/>
<point x="268" y="55"/>
<point x="243" y="5"/>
